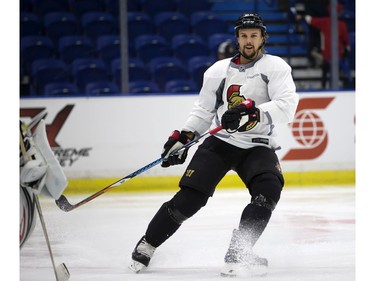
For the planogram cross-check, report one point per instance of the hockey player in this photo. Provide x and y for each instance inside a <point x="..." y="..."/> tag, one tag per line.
<point x="247" y="146"/>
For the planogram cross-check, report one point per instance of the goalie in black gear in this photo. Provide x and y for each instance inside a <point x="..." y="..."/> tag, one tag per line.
<point x="246" y="146"/>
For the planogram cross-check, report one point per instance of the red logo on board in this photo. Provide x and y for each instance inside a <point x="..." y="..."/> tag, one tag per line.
<point x="308" y="130"/>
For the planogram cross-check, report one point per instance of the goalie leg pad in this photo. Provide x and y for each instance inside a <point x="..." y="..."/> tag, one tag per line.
<point x="27" y="214"/>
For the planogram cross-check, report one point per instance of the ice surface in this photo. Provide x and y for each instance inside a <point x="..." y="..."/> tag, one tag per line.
<point x="311" y="237"/>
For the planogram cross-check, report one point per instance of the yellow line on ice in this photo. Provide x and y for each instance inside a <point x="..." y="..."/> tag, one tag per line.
<point x="292" y="179"/>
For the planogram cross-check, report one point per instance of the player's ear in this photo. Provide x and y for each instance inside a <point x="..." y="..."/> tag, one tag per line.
<point x="263" y="42"/>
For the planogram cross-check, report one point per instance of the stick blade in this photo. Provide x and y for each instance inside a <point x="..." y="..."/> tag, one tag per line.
<point x="63" y="204"/>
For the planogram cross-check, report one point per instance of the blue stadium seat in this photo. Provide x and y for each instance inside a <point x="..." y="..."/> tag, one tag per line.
<point x="186" y="46"/>
<point x="278" y="39"/>
<point x="205" y="24"/>
<point x="137" y="70"/>
<point x="233" y="6"/>
<point x="197" y="66"/>
<point x="169" y="24"/>
<point x="298" y="51"/>
<point x="352" y="54"/>
<point x="190" y="7"/>
<point x="131" y="50"/>
<point x="143" y="86"/>
<point x="267" y="6"/>
<point x="61" y="89"/>
<point x="30" y="24"/>
<point x="273" y="28"/>
<point x="102" y="88"/>
<point x="181" y="86"/>
<point x="164" y="69"/>
<point x="116" y="70"/>
<point x="108" y="48"/>
<point x="95" y="24"/>
<point x="152" y="7"/>
<point x="58" y="24"/>
<point x="75" y="46"/>
<point x="25" y="5"/>
<point x="47" y="70"/>
<point x="42" y="7"/>
<point x="112" y="6"/>
<point x="216" y="39"/>
<point x="80" y="7"/>
<point x="88" y="70"/>
<point x="33" y="48"/>
<point x="148" y="47"/>
<point x="281" y="51"/>
<point x="274" y="16"/>
<point x="139" y="23"/>
<point x="348" y="14"/>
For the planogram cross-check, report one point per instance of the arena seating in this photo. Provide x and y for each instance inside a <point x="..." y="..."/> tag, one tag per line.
<point x="189" y="31"/>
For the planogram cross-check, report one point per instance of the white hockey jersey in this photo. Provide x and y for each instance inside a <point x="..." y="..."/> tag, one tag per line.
<point x="267" y="81"/>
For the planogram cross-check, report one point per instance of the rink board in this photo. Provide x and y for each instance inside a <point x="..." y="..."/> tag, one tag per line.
<point x="99" y="140"/>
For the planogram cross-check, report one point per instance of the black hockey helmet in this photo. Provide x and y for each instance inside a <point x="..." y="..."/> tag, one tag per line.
<point x="250" y="20"/>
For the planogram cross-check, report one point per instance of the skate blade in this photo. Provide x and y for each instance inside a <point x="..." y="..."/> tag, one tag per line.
<point x="136" y="266"/>
<point x="233" y="270"/>
<point x="229" y="270"/>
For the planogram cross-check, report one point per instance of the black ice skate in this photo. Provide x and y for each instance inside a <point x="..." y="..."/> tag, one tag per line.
<point x="141" y="255"/>
<point x="240" y="259"/>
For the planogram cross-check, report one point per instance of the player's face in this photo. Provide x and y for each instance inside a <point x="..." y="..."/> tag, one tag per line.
<point x="250" y="41"/>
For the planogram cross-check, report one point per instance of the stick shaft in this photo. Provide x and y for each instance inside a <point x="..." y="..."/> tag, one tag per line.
<point x="64" y="204"/>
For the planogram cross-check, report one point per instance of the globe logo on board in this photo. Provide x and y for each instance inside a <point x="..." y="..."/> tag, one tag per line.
<point x="308" y="129"/>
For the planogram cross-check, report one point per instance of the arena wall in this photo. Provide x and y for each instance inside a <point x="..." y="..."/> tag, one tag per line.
<point x="101" y="139"/>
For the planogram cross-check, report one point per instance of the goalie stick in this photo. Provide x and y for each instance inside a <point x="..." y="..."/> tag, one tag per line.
<point x="64" y="204"/>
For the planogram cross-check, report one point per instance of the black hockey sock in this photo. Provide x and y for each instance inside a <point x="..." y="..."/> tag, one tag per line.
<point x="173" y="213"/>
<point x="254" y="220"/>
<point x="162" y="226"/>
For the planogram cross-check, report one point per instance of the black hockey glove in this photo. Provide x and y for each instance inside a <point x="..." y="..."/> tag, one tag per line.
<point x="175" y="141"/>
<point x="231" y="119"/>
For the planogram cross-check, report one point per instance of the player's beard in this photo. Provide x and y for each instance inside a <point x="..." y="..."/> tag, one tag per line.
<point x="253" y="54"/>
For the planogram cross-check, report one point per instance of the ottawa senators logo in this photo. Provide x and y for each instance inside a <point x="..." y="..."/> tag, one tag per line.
<point x="234" y="98"/>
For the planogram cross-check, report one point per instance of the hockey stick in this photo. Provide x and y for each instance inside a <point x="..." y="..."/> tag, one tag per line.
<point x="64" y="204"/>
<point x="61" y="271"/>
